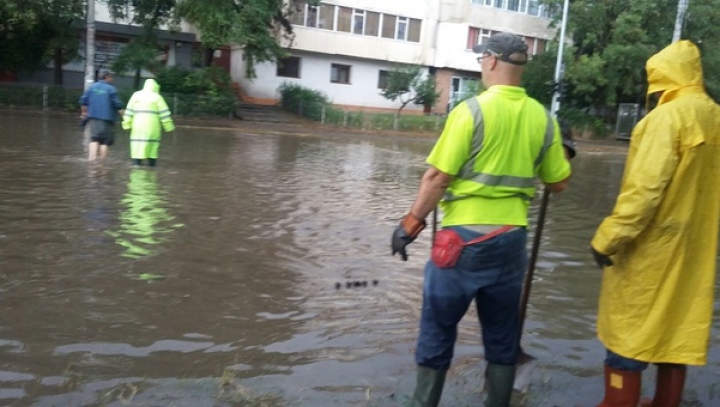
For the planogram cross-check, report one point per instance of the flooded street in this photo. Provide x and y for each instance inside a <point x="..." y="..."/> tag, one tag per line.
<point x="212" y="279"/>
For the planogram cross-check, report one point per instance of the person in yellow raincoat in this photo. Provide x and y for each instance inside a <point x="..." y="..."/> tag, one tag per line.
<point x="659" y="246"/>
<point x="146" y="116"/>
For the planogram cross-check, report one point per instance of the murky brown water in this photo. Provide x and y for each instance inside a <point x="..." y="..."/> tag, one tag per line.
<point x="211" y="279"/>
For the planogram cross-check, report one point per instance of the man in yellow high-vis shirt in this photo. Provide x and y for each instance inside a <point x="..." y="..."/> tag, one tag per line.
<point x="482" y="172"/>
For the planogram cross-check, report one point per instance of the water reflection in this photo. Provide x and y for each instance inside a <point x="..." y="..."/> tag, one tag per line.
<point x="145" y="222"/>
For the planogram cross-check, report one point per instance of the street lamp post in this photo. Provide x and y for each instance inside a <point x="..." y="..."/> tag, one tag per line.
<point x="555" y="106"/>
<point x="90" y="44"/>
<point x="682" y="9"/>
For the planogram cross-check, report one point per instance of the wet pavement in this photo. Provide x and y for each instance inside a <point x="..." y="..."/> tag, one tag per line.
<point x="212" y="279"/>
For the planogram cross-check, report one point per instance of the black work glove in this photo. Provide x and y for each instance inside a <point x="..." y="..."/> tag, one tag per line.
<point x="405" y="233"/>
<point x="602" y="260"/>
<point x="569" y="145"/>
<point x="567" y="140"/>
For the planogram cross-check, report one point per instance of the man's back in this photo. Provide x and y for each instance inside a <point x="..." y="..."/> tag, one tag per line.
<point x="102" y="101"/>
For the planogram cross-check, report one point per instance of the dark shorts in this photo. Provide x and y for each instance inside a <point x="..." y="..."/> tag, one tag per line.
<point x="102" y="132"/>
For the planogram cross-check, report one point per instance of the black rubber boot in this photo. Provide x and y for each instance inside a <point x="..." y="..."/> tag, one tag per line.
<point x="428" y="388"/>
<point x="499" y="381"/>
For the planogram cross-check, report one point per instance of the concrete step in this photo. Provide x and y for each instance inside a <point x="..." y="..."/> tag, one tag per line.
<point x="265" y="113"/>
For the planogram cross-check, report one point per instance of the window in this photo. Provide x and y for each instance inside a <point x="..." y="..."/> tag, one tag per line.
<point x="499" y="4"/>
<point x="312" y="16"/>
<point x="513" y="5"/>
<point x="298" y="14"/>
<point x="358" y="22"/>
<point x="540" y="46"/>
<point x="388" y="26"/>
<point x="106" y="52"/>
<point x="530" y="42"/>
<point x="533" y="7"/>
<point x="401" y="33"/>
<point x="340" y="74"/>
<point x="344" y="19"/>
<point x="372" y="23"/>
<point x="382" y="79"/>
<point x="414" y="30"/>
<point x="327" y="17"/>
<point x="478" y="36"/>
<point x="289" y="67"/>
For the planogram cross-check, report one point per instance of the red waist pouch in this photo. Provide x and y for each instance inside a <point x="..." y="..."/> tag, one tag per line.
<point x="449" y="245"/>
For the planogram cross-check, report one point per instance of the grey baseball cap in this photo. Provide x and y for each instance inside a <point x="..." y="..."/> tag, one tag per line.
<point x="507" y="47"/>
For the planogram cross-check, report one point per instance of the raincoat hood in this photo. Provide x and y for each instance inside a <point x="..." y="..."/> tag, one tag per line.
<point x="677" y="66"/>
<point x="151" y="85"/>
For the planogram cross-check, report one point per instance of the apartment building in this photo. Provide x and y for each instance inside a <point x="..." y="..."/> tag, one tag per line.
<point x="345" y="48"/>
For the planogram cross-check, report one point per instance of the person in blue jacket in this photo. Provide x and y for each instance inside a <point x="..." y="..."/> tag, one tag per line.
<point x="100" y="105"/>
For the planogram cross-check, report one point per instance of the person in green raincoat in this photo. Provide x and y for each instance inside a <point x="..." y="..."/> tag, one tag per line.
<point x="658" y="248"/>
<point x="146" y="116"/>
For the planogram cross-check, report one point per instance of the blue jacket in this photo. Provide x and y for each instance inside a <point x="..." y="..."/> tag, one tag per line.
<point x="102" y="101"/>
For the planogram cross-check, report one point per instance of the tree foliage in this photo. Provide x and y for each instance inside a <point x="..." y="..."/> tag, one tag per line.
<point x="610" y="44"/>
<point x="34" y="31"/>
<point x="407" y="84"/>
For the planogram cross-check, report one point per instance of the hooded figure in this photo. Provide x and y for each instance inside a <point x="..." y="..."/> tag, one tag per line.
<point x="659" y="246"/>
<point x="146" y="112"/>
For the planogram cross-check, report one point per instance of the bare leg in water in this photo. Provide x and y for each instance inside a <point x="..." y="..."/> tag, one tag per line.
<point x="93" y="150"/>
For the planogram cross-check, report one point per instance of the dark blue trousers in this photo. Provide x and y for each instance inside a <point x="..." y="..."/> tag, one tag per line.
<point x="492" y="274"/>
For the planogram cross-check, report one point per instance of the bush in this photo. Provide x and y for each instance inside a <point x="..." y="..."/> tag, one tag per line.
<point x="303" y="101"/>
<point x="583" y="124"/>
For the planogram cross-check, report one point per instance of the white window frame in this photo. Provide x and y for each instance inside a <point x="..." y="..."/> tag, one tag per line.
<point x="483" y="34"/>
<point x="334" y="19"/>
<point x="523" y="6"/>
<point x="405" y="21"/>
<point x="358" y="13"/>
<point x="307" y="16"/>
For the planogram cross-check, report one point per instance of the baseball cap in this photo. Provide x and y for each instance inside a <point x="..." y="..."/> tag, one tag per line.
<point x="507" y="47"/>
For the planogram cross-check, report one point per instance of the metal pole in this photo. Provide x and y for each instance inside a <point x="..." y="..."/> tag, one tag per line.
<point x="555" y="106"/>
<point x="45" y="97"/>
<point x="682" y="9"/>
<point x="90" y="44"/>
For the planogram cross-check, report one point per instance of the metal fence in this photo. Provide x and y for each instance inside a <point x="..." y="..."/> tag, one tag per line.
<point x="50" y="97"/>
<point x="326" y="114"/>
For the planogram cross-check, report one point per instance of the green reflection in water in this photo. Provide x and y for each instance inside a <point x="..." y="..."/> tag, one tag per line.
<point x="145" y="220"/>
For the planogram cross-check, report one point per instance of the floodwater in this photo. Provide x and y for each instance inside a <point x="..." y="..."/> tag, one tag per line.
<point x="211" y="280"/>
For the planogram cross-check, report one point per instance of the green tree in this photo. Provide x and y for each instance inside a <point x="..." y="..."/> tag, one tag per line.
<point x="257" y="26"/>
<point x="61" y="20"/>
<point x="49" y="26"/>
<point x="539" y="75"/>
<point x="142" y="51"/>
<point x="612" y="41"/>
<point x="407" y="84"/>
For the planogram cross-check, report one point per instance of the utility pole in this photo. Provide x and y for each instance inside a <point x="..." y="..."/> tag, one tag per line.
<point x="555" y="106"/>
<point x="682" y="9"/>
<point x="90" y="44"/>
